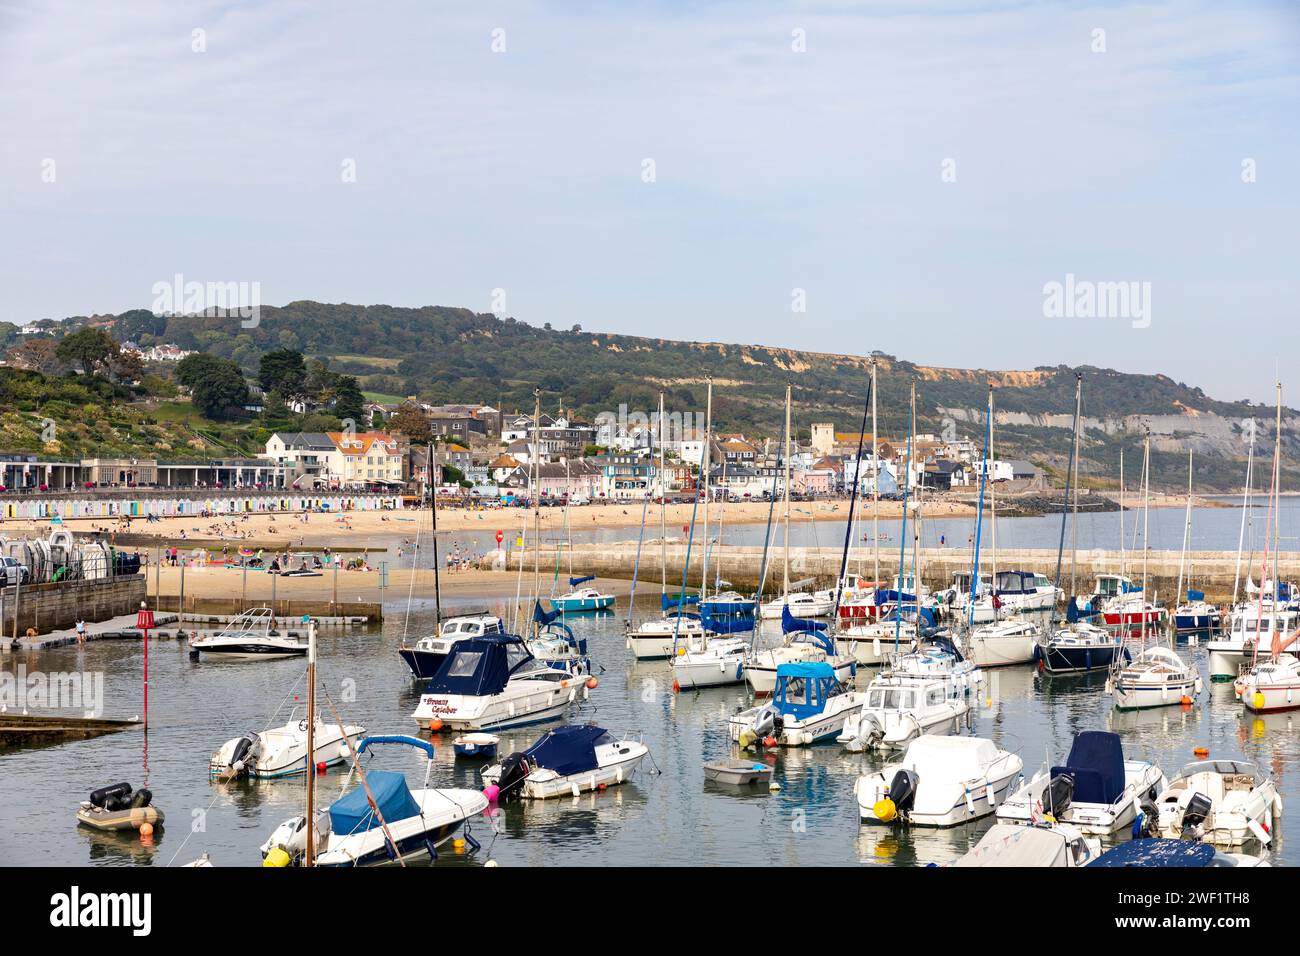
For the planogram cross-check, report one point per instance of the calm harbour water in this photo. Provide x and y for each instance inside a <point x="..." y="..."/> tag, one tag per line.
<point x="670" y="817"/>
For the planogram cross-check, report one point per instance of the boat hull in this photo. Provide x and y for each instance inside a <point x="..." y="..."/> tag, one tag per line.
<point x="1057" y="659"/>
<point x="1143" y="696"/>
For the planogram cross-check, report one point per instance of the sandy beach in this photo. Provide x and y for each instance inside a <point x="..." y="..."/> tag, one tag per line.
<point x="356" y="528"/>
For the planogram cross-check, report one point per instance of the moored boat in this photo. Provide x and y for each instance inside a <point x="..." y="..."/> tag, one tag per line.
<point x="567" y="761"/>
<point x="809" y="705"/>
<point x="940" y="782"/>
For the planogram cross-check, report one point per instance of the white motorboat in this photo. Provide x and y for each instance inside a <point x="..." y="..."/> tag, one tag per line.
<point x="710" y="662"/>
<point x="566" y="761"/>
<point x="582" y="599"/>
<point x="1025" y="592"/>
<point x="653" y="640"/>
<point x="1034" y="845"/>
<point x="1157" y="677"/>
<point x="1012" y="640"/>
<point x="800" y="604"/>
<point x="555" y="646"/>
<point x="810" y="704"/>
<point x="1273" y="684"/>
<point x="250" y="635"/>
<point x="1096" y="790"/>
<point x="282" y="751"/>
<point x="1224" y="802"/>
<point x="380" y="821"/>
<point x="1234" y="651"/>
<point x="899" y="709"/>
<point x="492" y="683"/>
<point x="798" y="647"/>
<point x="940" y="782"/>
<point x="428" y="653"/>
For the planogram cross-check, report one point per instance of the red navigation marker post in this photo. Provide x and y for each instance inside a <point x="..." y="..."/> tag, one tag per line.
<point x="500" y="536"/>
<point x="144" y="621"/>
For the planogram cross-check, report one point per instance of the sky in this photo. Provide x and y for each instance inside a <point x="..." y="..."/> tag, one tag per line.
<point x="842" y="177"/>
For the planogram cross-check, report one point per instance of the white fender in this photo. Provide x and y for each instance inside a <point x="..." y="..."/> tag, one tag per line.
<point x="1262" y="835"/>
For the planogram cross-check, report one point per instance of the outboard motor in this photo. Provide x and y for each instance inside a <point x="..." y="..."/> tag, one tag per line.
<point x="869" y="731"/>
<point x="514" y="771"/>
<point x="902" y="790"/>
<point x="1059" y="793"/>
<point x="768" y="721"/>
<point x="244" y="751"/>
<point x="1196" y="812"/>
<point x="116" y="797"/>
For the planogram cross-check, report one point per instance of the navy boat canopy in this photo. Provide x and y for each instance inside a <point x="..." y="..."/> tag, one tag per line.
<point x="942" y="643"/>
<point x="1157" y="853"/>
<point x="352" y="812"/>
<point x="544" y="617"/>
<point x="574" y="582"/>
<point x="726" y="622"/>
<point x="667" y="603"/>
<point x="568" y="749"/>
<point x="790" y="624"/>
<point x="1096" y="763"/>
<point x="1195" y="595"/>
<point x="479" y="666"/>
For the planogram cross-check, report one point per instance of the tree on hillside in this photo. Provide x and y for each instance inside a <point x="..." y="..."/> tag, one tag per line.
<point x="89" y="348"/>
<point x="217" y="386"/>
<point x="348" y="400"/>
<point x="37" y="355"/>
<point x="282" y="374"/>
<point x="411" y="421"/>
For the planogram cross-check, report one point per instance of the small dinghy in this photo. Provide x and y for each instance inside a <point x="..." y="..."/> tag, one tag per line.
<point x="1037" y="845"/>
<point x="1097" y="790"/>
<point x="566" y="760"/>
<point x="476" y="745"/>
<point x="379" y="821"/>
<point x="1225" y="802"/>
<point x="738" y="772"/>
<point x="940" y="782"/>
<point x="119" y="808"/>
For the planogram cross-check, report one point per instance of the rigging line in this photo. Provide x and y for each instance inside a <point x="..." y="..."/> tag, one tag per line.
<point x="370" y="797"/>
<point x="853" y="500"/>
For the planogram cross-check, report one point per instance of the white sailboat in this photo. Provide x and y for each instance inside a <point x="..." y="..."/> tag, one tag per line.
<point x="1157" y="676"/>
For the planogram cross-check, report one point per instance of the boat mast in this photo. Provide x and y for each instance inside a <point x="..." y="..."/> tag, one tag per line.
<point x="916" y="525"/>
<point x="1245" y="509"/>
<point x="993" y="518"/>
<point x="1122" y="570"/>
<point x="1065" y="498"/>
<point x="704" y="468"/>
<point x="309" y="856"/>
<point x="902" y="534"/>
<point x="433" y="510"/>
<point x="1277" y="514"/>
<point x="663" y="504"/>
<point x="1182" y="557"/>
<point x="785" y="574"/>
<point x="536" y="468"/>
<point x="853" y="501"/>
<point x="1146" y="524"/>
<point x="1074" y="512"/>
<point x="979" y="515"/>
<point x="875" y="484"/>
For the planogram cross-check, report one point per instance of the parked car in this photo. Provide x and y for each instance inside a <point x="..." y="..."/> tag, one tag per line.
<point x="11" y="570"/>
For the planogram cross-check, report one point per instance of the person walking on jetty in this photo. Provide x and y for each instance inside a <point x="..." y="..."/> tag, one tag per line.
<point x="81" y="631"/>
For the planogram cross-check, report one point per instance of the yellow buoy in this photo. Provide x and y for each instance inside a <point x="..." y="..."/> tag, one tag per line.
<point x="885" y="810"/>
<point x="458" y="845"/>
<point x="276" y="858"/>
<point x="1258" y="700"/>
<point x="681" y="652"/>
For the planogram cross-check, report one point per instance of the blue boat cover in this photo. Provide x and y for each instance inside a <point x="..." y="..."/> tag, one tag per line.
<point x="791" y="624"/>
<point x="945" y="644"/>
<point x="479" y="666"/>
<point x="543" y="617"/>
<point x="666" y="602"/>
<point x="1096" y="762"/>
<point x="1128" y="587"/>
<point x="891" y="597"/>
<point x="1195" y="595"/>
<point x="1157" y="853"/>
<point x="568" y="749"/>
<point x="726" y="623"/>
<point x="352" y="812"/>
<point x="814" y="669"/>
<point x="416" y="742"/>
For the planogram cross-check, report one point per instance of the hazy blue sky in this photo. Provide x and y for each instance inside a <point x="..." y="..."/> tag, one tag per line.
<point x="774" y="170"/>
